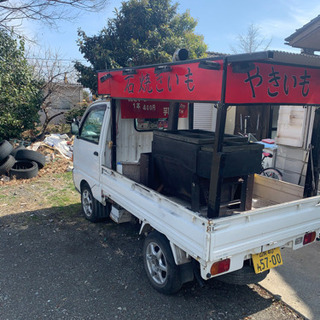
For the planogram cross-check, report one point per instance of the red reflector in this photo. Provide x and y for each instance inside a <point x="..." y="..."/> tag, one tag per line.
<point x="220" y="266"/>
<point x="309" y="237"/>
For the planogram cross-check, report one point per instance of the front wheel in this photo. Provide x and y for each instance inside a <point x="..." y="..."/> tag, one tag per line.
<point x="159" y="264"/>
<point x="92" y="209"/>
<point x="272" y="173"/>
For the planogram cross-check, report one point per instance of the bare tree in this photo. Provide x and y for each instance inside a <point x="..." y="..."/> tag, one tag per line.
<point x="13" y="12"/>
<point x="252" y="41"/>
<point x="58" y="84"/>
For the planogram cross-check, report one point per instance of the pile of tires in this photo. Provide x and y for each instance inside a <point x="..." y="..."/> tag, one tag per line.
<point x="19" y="163"/>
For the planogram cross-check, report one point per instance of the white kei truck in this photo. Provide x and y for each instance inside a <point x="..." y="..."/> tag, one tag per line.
<point x="203" y="207"/>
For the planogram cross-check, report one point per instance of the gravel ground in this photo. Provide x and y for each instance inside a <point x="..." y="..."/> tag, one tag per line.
<point x="55" y="265"/>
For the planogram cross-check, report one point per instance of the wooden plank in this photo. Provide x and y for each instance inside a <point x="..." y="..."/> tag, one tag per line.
<point x="275" y="190"/>
<point x="248" y="205"/>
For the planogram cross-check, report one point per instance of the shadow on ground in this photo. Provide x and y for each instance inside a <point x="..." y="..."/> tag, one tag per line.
<point x="56" y="265"/>
<point x="297" y="281"/>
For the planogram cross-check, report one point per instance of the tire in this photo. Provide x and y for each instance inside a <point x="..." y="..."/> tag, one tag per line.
<point x="5" y="149"/>
<point x="24" y="169"/>
<point x="159" y="264"/>
<point x="244" y="276"/>
<point x="92" y="209"/>
<point x="7" y="164"/>
<point x="272" y="173"/>
<point x="15" y="150"/>
<point x="25" y="154"/>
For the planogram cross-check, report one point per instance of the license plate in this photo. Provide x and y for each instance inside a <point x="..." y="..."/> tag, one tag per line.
<point x="266" y="260"/>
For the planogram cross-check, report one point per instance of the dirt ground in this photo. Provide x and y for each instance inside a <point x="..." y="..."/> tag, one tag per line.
<point x="52" y="187"/>
<point x="57" y="265"/>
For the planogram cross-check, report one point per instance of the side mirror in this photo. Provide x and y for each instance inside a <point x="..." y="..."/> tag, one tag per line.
<point x="75" y="127"/>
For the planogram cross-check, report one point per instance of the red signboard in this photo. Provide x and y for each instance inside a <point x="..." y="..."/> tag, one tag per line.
<point x="274" y="84"/>
<point x="198" y="81"/>
<point x="143" y="109"/>
<point x="194" y="81"/>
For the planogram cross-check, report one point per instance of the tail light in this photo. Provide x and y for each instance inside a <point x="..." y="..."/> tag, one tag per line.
<point x="309" y="237"/>
<point x="220" y="266"/>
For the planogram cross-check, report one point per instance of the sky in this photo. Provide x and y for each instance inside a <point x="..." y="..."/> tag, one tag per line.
<point x="219" y="21"/>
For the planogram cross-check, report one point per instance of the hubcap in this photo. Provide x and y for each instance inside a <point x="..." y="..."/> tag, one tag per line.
<point x="87" y="203"/>
<point x="156" y="263"/>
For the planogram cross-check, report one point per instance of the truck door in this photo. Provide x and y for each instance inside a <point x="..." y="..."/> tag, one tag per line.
<point x="87" y="144"/>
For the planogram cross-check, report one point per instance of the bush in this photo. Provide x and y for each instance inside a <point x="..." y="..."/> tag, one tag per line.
<point x="20" y="93"/>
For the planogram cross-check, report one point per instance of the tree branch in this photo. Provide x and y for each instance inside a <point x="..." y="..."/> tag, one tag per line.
<point x="47" y="11"/>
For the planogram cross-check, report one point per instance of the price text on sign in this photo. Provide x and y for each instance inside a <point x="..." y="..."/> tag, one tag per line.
<point x="142" y="109"/>
<point x="266" y="260"/>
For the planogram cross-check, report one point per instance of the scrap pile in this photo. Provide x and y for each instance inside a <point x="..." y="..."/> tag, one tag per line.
<point x="19" y="162"/>
<point x="24" y="163"/>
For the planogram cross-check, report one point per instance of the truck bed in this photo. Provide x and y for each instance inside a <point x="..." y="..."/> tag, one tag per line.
<point x="210" y="240"/>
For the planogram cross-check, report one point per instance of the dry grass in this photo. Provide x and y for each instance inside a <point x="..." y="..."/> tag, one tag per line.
<point x="53" y="187"/>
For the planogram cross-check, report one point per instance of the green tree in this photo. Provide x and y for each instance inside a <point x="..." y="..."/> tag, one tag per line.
<point x="78" y="112"/>
<point x="142" y="32"/>
<point x="20" y="94"/>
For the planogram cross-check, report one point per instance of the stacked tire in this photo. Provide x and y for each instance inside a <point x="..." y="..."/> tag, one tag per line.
<point x="20" y="163"/>
<point x="6" y="159"/>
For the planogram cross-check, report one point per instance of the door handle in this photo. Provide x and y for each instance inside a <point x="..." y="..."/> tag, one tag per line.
<point x="95" y="153"/>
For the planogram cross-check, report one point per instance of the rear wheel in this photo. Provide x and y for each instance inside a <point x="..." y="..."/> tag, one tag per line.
<point x="244" y="276"/>
<point x="159" y="264"/>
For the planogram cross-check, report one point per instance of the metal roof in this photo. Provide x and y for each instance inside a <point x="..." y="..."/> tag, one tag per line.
<point x="307" y="37"/>
<point x="278" y="57"/>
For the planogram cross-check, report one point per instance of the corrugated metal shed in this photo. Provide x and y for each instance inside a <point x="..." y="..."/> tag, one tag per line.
<point x="307" y="37"/>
